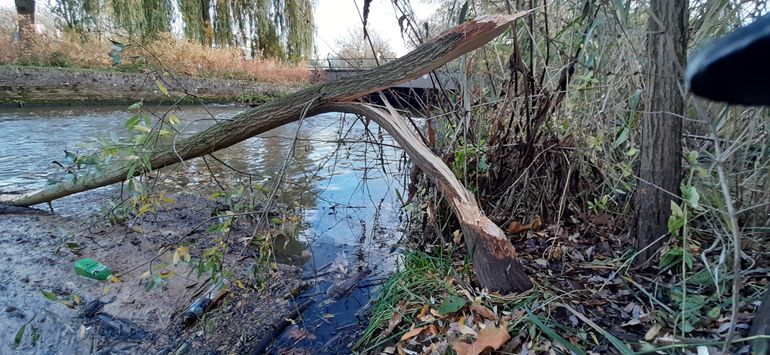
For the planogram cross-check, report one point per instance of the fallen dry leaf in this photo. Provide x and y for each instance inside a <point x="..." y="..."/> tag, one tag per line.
<point x="436" y="314"/>
<point x="412" y="333"/>
<point x="462" y="329"/>
<point x="424" y="310"/>
<point x="516" y="228"/>
<point x="483" y="311"/>
<point x="397" y="316"/>
<point x="490" y="337"/>
<point x="652" y="332"/>
<point x="537" y="223"/>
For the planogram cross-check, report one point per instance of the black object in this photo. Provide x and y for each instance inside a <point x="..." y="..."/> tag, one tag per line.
<point x="110" y="326"/>
<point x="735" y="68"/>
<point x="196" y="310"/>
<point x="202" y="304"/>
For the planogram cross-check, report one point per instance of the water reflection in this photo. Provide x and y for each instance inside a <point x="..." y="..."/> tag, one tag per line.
<point x="348" y="191"/>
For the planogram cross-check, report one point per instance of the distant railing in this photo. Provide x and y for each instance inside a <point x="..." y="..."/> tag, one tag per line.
<point x="347" y="63"/>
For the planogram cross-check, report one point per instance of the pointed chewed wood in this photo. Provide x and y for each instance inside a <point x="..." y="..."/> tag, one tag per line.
<point x="494" y="258"/>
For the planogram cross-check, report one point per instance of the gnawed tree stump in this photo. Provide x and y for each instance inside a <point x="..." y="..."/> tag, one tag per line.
<point x="494" y="258"/>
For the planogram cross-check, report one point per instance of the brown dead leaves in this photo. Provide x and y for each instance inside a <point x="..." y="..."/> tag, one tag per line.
<point x="396" y="320"/>
<point x="471" y="327"/>
<point x="491" y="337"/>
<point x="483" y="311"/>
<point x="516" y="227"/>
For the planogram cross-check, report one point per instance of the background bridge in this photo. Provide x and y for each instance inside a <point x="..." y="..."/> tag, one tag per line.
<point x="330" y="69"/>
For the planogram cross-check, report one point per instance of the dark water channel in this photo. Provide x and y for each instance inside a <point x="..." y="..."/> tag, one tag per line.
<point x="347" y="189"/>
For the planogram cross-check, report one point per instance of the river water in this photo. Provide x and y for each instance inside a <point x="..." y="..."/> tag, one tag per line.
<point x="347" y="185"/>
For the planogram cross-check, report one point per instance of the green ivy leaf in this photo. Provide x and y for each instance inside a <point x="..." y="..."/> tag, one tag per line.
<point x="702" y="278"/>
<point x="451" y="304"/>
<point x="687" y="327"/>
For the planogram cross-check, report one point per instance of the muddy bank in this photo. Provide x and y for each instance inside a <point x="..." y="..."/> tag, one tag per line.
<point x="345" y="193"/>
<point x="40" y="291"/>
<point x="25" y="86"/>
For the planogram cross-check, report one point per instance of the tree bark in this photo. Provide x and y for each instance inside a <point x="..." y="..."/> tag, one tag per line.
<point x="206" y="16"/>
<point x="25" y="9"/>
<point x="661" y="146"/>
<point x="494" y="257"/>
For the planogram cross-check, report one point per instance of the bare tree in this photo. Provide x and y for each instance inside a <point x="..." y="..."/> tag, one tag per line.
<point x="660" y="169"/>
<point x="354" y="50"/>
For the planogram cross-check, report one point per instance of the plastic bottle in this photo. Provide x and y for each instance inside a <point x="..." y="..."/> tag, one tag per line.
<point x="92" y="269"/>
<point x="205" y="301"/>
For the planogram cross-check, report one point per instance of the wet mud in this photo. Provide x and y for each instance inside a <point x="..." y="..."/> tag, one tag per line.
<point x="40" y="292"/>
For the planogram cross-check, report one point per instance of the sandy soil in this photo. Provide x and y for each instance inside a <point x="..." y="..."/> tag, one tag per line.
<point x="38" y="251"/>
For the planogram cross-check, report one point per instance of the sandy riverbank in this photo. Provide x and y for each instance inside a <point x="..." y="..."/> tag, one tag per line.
<point x="38" y="250"/>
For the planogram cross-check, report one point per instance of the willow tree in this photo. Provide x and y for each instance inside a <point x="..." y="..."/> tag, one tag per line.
<point x="299" y="24"/>
<point x="268" y="40"/>
<point x="196" y="18"/>
<point x="223" y="24"/>
<point x="281" y="29"/>
<point x="142" y="18"/>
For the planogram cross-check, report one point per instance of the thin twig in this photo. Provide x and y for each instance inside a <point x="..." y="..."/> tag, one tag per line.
<point x="736" y="237"/>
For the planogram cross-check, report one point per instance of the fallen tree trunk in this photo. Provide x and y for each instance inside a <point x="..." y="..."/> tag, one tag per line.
<point x="494" y="257"/>
<point x="429" y="56"/>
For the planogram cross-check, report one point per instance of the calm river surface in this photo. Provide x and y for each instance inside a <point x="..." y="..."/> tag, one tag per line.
<point x="347" y="187"/>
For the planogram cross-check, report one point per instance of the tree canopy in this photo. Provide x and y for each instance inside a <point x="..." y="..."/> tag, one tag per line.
<point x="281" y="29"/>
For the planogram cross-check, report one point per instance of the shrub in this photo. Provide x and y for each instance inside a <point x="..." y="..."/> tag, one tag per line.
<point x="165" y="53"/>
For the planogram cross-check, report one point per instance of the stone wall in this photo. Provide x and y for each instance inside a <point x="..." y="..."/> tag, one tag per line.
<point x="57" y="86"/>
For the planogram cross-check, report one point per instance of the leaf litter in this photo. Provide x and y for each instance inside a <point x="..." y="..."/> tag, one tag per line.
<point x="587" y="300"/>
